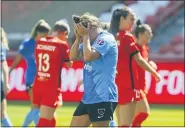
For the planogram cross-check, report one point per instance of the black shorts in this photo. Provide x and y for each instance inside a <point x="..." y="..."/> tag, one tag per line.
<point x="2" y="95"/>
<point x="97" y="112"/>
<point x="2" y="92"/>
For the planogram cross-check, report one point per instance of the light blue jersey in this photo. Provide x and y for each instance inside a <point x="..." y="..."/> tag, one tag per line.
<point x="99" y="75"/>
<point x="26" y="49"/>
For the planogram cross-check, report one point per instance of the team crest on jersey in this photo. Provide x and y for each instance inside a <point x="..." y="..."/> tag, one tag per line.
<point x="100" y="42"/>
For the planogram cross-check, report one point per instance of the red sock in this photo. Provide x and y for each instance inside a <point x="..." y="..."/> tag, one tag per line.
<point x="53" y="122"/>
<point x="43" y="122"/>
<point x="124" y="126"/>
<point x="139" y="119"/>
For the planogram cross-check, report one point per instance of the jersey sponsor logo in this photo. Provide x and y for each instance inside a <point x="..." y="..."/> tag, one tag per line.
<point x="101" y="112"/>
<point x="88" y="67"/>
<point x="46" y="47"/>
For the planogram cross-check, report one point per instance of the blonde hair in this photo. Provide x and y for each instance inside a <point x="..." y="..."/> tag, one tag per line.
<point x="92" y="20"/>
<point x="4" y="39"/>
<point x="41" y="24"/>
<point x="62" y="26"/>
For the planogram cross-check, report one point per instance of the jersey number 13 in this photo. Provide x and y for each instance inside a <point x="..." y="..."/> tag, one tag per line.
<point x="43" y="62"/>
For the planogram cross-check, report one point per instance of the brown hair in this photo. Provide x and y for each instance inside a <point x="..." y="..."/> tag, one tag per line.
<point x="41" y="26"/>
<point x="115" y="20"/>
<point x="4" y="39"/>
<point x="141" y="28"/>
<point x="105" y="26"/>
<point x="62" y="26"/>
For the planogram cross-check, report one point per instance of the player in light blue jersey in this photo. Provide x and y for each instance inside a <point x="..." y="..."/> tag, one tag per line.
<point x="100" y="53"/>
<point x="26" y="51"/>
<point x="5" y="121"/>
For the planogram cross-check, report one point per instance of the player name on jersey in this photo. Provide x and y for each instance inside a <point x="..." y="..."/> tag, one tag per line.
<point x="46" y="47"/>
<point x="43" y="74"/>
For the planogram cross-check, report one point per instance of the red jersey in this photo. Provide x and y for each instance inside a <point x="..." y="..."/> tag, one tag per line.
<point x="127" y="76"/>
<point x="50" y="54"/>
<point x="144" y="53"/>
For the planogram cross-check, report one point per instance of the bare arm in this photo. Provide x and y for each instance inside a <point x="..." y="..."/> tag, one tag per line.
<point x="16" y="62"/>
<point x="146" y="66"/>
<point x="74" y="51"/>
<point x="153" y="65"/>
<point x="5" y="76"/>
<point x="89" y="53"/>
<point x="69" y="64"/>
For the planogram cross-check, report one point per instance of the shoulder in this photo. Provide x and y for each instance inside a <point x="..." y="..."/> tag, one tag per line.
<point x="129" y="36"/>
<point x="28" y="41"/>
<point x="107" y="38"/>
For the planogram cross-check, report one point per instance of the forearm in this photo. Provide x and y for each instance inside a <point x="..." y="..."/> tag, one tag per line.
<point x="5" y="72"/>
<point x="74" y="51"/>
<point x="16" y="62"/>
<point x="146" y="66"/>
<point x="87" y="47"/>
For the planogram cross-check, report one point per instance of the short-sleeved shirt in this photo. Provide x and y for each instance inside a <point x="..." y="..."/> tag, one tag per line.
<point x="144" y="53"/>
<point x="26" y="49"/>
<point x="50" y="55"/>
<point x="99" y="75"/>
<point x="127" y="76"/>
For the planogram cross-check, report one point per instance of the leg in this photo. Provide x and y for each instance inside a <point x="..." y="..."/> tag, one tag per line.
<point x="49" y="102"/>
<point x="127" y="112"/>
<point x="113" y="122"/>
<point x="117" y="114"/>
<point x="80" y="116"/>
<point x="46" y="115"/>
<point x="35" y="108"/>
<point x="5" y="121"/>
<point x="142" y="112"/>
<point x="80" y="121"/>
<point x="33" y="114"/>
<point x="101" y="113"/>
<point x="101" y="123"/>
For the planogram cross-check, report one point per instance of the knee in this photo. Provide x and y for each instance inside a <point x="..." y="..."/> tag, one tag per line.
<point x="3" y="114"/>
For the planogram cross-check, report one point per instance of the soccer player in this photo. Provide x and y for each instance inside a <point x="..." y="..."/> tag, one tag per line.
<point x="143" y="35"/>
<point x="5" y="121"/>
<point x="99" y="50"/>
<point x="129" y="57"/>
<point x="26" y="51"/>
<point x="51" y="53"/>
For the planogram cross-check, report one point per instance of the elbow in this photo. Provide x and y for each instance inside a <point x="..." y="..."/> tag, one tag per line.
<point x="87" y="57"/>
<point x="72" y="57"/>
<point x="69" y="64"/>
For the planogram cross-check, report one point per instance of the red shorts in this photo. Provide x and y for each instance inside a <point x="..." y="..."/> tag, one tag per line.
<point x="130" y="95"/>
<point x="48" y="98"/>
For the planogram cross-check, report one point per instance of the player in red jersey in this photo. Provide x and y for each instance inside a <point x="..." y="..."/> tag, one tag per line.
<point x="129" y="57"/>
<point x="51" y="53"/>
<point x="143" y="35"/>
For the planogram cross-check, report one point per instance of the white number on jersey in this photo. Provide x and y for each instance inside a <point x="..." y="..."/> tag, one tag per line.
<point x="43" y="59"/>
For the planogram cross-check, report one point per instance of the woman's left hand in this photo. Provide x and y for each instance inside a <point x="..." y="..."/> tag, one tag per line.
<point x="82" y="31"/>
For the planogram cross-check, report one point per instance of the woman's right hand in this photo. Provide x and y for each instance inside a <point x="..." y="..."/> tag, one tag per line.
<point x="75" y="32"/>
<point x="158" y="77"/>
<point x="6" y="89"/>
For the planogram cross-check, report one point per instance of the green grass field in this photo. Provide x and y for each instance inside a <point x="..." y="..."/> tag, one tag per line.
<point x="161" y="115"/>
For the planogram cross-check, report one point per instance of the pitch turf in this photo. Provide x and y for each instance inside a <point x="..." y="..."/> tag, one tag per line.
<point x="161" y="115"/>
